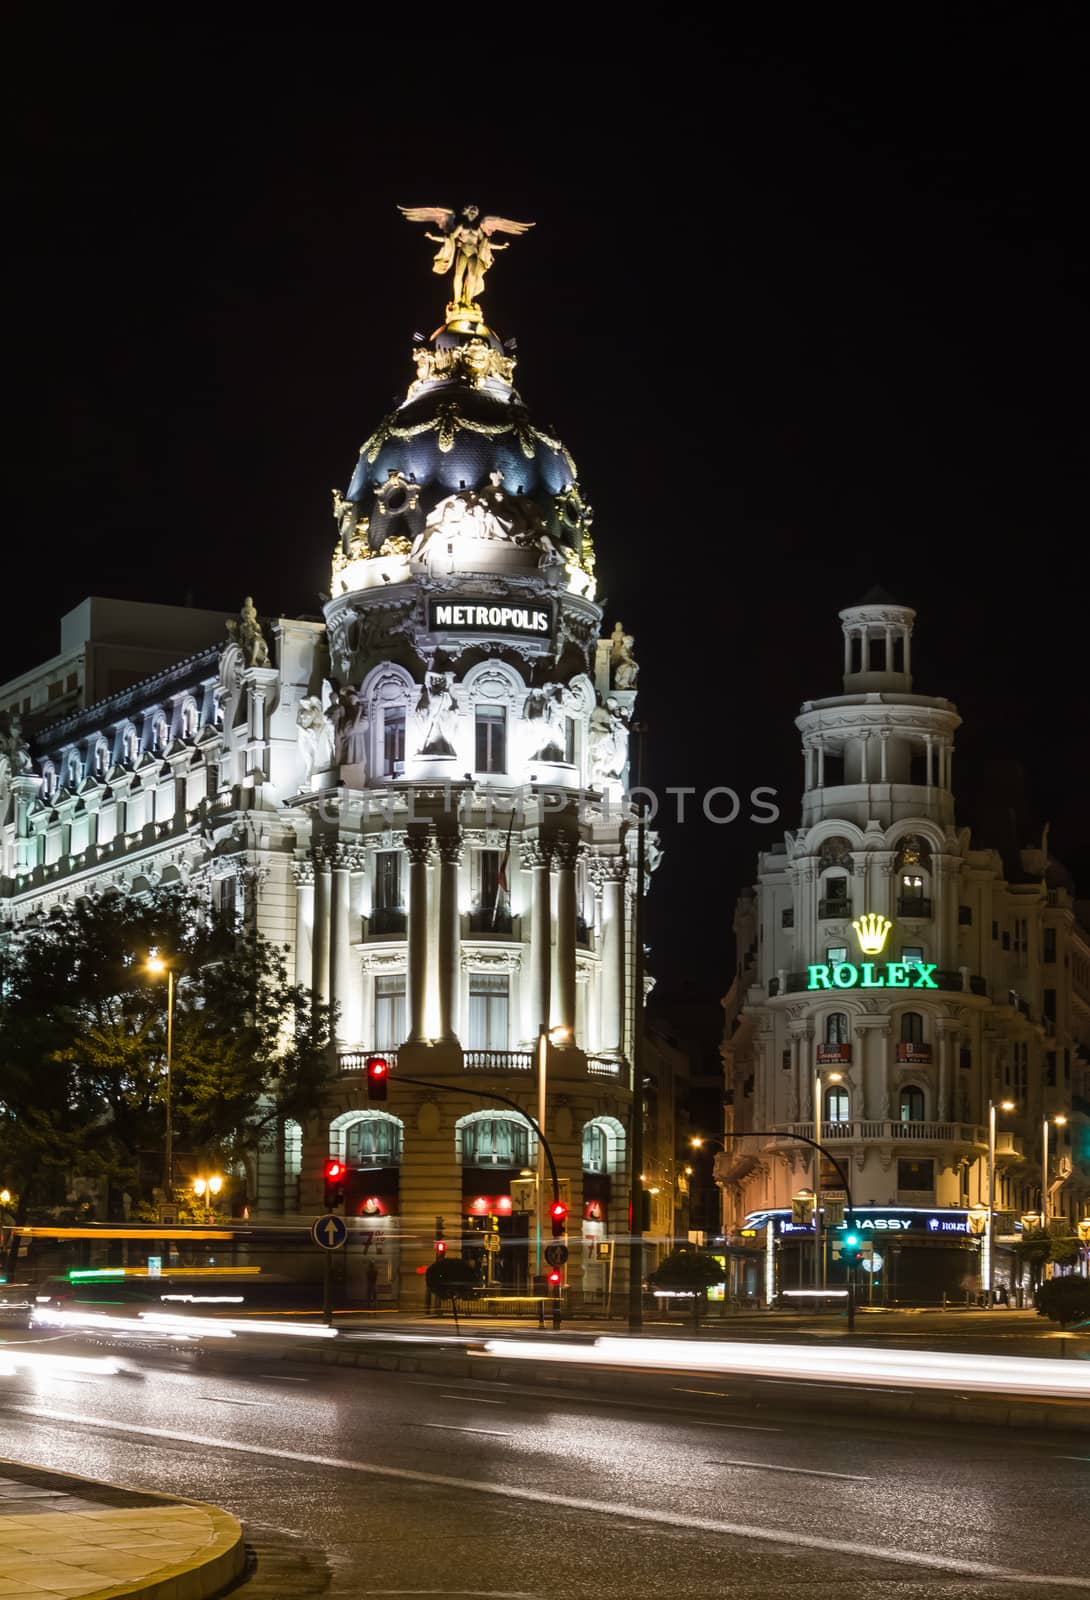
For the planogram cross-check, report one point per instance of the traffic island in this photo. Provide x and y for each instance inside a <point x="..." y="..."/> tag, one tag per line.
<point x="70" y="1536"/>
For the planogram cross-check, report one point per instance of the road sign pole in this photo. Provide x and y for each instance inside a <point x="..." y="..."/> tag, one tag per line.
<point x="327" y="1288"/>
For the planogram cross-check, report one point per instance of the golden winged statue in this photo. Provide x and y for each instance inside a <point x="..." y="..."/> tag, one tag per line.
<point x="466" y="244"/>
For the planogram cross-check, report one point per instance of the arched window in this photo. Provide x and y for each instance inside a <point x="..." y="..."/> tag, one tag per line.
<point x="911" y="1028"/>
<point x="374" y="1141"/>
<point x="837" y="1104"/>
<point x="836" y="1028"/>
<point x="911" y="1103"/>
<point x="495" y="1142"/>
<point x="595" y="1152"/>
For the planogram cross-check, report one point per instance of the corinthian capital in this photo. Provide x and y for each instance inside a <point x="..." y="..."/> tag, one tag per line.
<point x="419" y="847"/>
<point x="303" y="872"/>
<point x="566" y="853"/>
<point x="451" y="848"/>
<point x="535" y="853"/>
<point x="607" y="869"/>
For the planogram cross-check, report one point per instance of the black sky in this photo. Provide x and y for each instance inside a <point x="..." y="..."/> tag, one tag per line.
<point x="810" y="310"/>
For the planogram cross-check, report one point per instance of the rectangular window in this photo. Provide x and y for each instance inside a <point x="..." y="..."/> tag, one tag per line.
<point x="787" y="917"/>
<point x="1006" y="940"/>
<point x="1050" y="945"/>
<point x="1050" y="1069"/>
<point x="569" y="740"/>
<point x="389" y="1012"/>
<point x="393" y="742"/>
<point x="387" y="895"/>
<point x="785" y="1060"/>
<point x="71" y="682"/>
<point x="491" y="737"/>
<point x="225" y="898"/>
<point x="995" y="930"/>
<point x="917" y="1175"/>
<point x="488" y="883"/>
<point x="56" y="690"/>
<point x="1050" y="1010"/>
<point x="912" y="954"/>
<point x="965" y="916"/>
<point x="489" y="1003"/>
<point x="836" y="953"/>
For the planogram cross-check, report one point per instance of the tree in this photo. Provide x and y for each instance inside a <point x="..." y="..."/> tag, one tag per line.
<point x="688" y="1272"/>
<point x="82" y="1045"/>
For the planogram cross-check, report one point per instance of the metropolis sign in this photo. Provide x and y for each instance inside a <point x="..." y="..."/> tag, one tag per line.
<point x="532" y="619"/>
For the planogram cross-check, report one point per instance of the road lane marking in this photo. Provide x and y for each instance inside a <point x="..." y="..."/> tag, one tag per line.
<point x="720" y="1394"/>
<point x="474" y="1399"/>
<point x="599" y="1508"/>
<point x="1072" y="1458"/>
<point x="279" y="1378"/>
<point x="453" y="1427"/>
<point x="222" y="1400"/>
<point x="802" y="1472"/>
<point x="545" y="1393"/>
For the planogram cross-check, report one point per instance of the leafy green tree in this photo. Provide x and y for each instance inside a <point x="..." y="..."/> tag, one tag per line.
<point x="688" y="1272"/>
<point x="83" y="1045"/>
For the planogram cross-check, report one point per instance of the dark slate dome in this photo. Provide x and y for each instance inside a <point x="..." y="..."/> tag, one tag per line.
<point x="461" y="421"/>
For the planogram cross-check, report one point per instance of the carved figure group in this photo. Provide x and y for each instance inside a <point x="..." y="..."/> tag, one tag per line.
<point x="316" y="739"/>
<point x="13" y="747"/>
<point x="488" y="514"/>
<point x="435" y="713"/>
<point x="608" y="743"/>
<point x="623" y="664"/>
<point x="545" y="716"/>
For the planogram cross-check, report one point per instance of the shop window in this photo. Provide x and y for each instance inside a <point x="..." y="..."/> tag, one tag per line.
<point x="490" y="727"/>
<point x="837" y="1105"/>
<point x="595" y="1151"/>
<point x="912" y="1106"/>
<point x="836" y="1028"/>
<point x="495" y="1142"/>
<point x="389" y="1011"/>
<point x="374" y="1142"/>
<point x="911" y="1028"/>
<point x="489" y="1005"/>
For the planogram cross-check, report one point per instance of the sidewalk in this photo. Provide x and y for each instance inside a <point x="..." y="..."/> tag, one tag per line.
<point x="62" y="1536"/>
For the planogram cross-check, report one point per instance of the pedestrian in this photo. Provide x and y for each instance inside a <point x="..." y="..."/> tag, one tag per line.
<point x="372" y="1284"/>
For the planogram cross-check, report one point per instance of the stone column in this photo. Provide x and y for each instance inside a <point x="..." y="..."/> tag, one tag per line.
<point x="367" y="1006"/>
<point x="864" y="759"/>
<point x="303" y="873"/>
<point x="930" y="760"/>
<point x="536" y="856"/>
<point x="821" y="764"/>
<point x="565" y="854"/>
<point x="418" y="848"/>
<point x="611" y="872"/>
<point x="884" y="749"/>
<point x="344" y="969"/>
<point x="322" y="910"/>
<point x="847" y="652"/>
<point x="450" y="856"/>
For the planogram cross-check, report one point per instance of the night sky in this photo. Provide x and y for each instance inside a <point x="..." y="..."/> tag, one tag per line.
<point x="810" y="311"/>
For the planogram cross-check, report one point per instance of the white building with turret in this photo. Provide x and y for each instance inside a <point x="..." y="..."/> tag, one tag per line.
<point x="899" y="986"/>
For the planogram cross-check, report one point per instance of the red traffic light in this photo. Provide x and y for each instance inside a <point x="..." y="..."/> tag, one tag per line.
<point x="334" y="1169"/>
<point x="378" y="1073"/>
<point x="440" y="1247"/>
<point x="558" y="1211"/>
<point x="554" y="1277"/>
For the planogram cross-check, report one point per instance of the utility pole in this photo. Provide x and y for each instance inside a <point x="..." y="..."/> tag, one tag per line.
<point x="635" y="1263"/>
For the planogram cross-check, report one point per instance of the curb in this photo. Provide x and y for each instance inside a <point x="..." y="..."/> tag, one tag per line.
<point x="925" y="1405"/>
<point x="201" y="1577"/>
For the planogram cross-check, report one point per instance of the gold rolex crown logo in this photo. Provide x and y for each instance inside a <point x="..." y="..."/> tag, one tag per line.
<point x="872" y="931"/>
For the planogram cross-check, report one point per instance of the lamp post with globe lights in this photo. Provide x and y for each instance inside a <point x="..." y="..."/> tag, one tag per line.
<point x="989" y="1271"/>
<point x="156" y="965"/>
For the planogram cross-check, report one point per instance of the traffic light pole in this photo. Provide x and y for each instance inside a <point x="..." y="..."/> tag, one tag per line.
<point x="823" y="1150"/>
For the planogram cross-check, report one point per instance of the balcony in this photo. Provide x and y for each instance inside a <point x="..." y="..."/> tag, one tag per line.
<point x="386" y="920"/>
<point x="499" y="1060"/>
<point x="866" y="1132"/>
<point x="356" y="1060"/>
<point x="913" y="906"/>
<point x="833" y="1054"/>
<point x="834" y="908"/>
<point x="489" y="921"/>
<point x="916" y="1054"/>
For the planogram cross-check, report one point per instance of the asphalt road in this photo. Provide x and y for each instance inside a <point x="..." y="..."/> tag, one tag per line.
<point x="358" y="1483"/>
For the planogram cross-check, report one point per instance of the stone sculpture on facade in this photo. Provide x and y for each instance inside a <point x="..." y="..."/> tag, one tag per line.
<point x="316" y="736"/>
<point x="608" y="743"/>
<point x="12" y="744"/>
<point x="625" y="667"/>
<point x="347" y="716"/>
<point x="247" y="634"/>
<point x="545" y="717"/>
<point x="435" y="711"/>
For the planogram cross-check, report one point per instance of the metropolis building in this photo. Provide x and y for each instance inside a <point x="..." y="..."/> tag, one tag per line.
<point x="901" y="992"/>
<point x="421" y="795"/>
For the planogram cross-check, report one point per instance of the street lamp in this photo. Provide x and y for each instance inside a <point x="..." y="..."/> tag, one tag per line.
<point x="156" y="966"/>
<point x="989" y="1237"/>
<point x="545" y="1037"/>
<point x="207" y="1188"/>
<point x="819" y="1244"/>
<point x="1060" y="1120"/>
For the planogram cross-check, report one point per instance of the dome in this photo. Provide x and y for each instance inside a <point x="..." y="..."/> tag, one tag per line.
<point x="461" y="429"/>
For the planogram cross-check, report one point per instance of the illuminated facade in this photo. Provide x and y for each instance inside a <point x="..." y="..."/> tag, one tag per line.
<point x="422" y="796"/>
<point x="905" y="976"/>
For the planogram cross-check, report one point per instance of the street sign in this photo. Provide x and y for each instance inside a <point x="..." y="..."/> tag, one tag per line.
<point x="834" y="1213"/>
<point x="556" y="1254"/>
<point x="802" y="1213"/>
<point x="491" y="1241"/>
<point x="168" y="1215"/>
<point x="329" y="1231"/>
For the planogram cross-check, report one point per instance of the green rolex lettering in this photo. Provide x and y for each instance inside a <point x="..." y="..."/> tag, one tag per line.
<point x="819" y="978"/>
<point x="897" y="975"/>
<point x="924" y="980"/>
